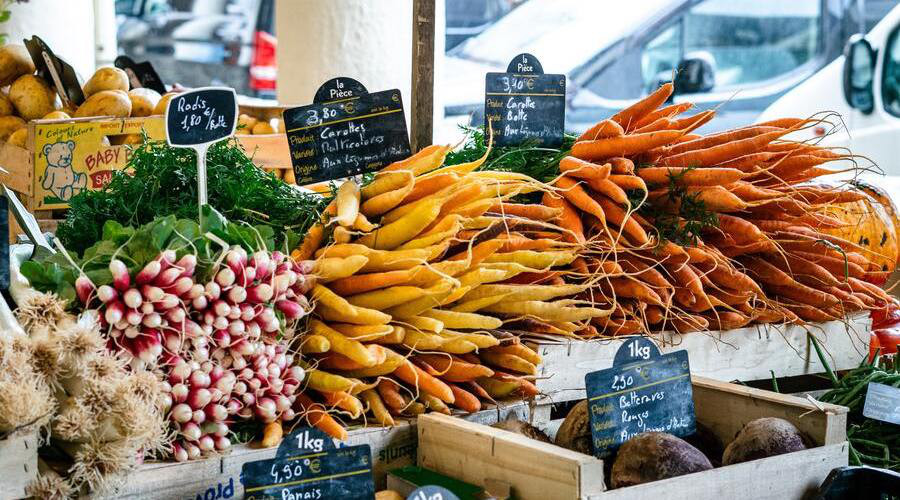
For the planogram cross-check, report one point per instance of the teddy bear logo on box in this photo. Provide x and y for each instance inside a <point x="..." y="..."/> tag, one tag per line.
<point x="59" y="178"/>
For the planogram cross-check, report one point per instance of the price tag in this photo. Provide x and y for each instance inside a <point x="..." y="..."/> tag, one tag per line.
<point x="307" y="465"/>
<point x="643" y="391"/>
<point x="197" y="119"/>
<point x="27" y="222"/>
<point x="346" y="131"/>
<point x="53" y="69"/>
<point x="141" y="74"/>
<point x="432" y="492"/>
<point x="525" y="105"/>
<point x="882" y="403"/>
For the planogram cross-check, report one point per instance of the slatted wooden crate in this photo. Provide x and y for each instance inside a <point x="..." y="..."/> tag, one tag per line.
<point x="743" y="354"/>
<point x="18" y="462"/>
<point x="534" y="470"/>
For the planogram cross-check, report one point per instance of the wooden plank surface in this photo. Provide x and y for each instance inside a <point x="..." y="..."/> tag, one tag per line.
<point x="19" y="175"/>
<point x="476" y="453"/>
<point x="742" y="354"/>
<point x="422" y="105"/>
<point x="220" y="476"/>
<point x="18" y="463"/>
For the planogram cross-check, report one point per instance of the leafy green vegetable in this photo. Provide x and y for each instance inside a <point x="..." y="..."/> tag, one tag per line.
<point x="163" y="181"/>
<point x="138" y="246"/>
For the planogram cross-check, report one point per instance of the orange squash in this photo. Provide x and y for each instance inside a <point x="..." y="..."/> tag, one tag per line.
<point x="870" y="223"/>
<point x="882" y="197"/>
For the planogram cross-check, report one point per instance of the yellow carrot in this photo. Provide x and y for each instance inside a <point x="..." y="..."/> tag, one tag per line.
<point x="343" y="345"/>
<point x="470" y="321"/>
<point x="386" y="297"/>
<point x="385" y="182"/>
<point x="332" y="268"/>
<point x="314" y="344"/>
<point x="396" y="233"/>
<point x="347" y="202"/>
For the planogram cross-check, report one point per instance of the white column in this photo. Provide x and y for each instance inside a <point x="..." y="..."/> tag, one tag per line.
<point x="66" y="25"/>
<point x="369" y="40"/>
<point x="105" y="32"/>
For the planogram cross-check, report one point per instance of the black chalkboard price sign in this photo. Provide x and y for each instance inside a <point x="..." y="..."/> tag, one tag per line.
<point x="524" y="105"/>
<point x="142" y="73"/>
<point x="346" y="131"/>
<point x="643" y="391"/>
<point x="55" y="70"/>
<point x="197" y="119"/>
<point x="307" y="465"/>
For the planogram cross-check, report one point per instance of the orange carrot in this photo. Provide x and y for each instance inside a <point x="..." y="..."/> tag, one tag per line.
<point x="453" y="369"/>
<point x="609" y="189"/>
<point x="628" y="182"/>
<point x="360" y="283"/>
<point x="631" y="115"/>
<point x="425" y="186"/>
<point x="623" y="146"/>
<point x="413" y="375"/>
<point x="723" y="152"/>
<point x="569" y="219"/>
<point x="577" y="196"/>
<point x="533" y="212"/>
<point x="390" y="394"/>
<point x="576" y="167"/>
<point x="617" y="216"/>
<point x="664" y="112"/>
<point x="718" y="139"/>
<point x="479" y="252"/>
<point x="690" y="176"/>
<point x="465" y="400"/>
<point x="605" y="128"/>
<point x="318" y="416"/>
<point x="621" y="165"/>
<point x="311" y="242"/>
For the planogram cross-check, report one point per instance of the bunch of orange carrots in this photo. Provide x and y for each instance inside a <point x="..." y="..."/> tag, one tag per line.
<point x="416" y="272"/>
<point x="764" y="258"/>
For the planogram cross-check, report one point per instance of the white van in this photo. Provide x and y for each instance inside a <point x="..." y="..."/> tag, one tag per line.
<point x="863" y="86"/>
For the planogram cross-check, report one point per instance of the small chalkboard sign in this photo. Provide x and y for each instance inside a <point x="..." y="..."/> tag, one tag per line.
<point x="141" y="74"/>
<point x="882" y="403"/>
<point x="643" y="391"/>
<point x="197" y="119"/>
<point x="26" y="221"/>
<point x="524" y="105"/>
<point x="432" y="492"/>
<point x="307" y="465"/>
<point x="346" y="131"/>
<point x="54" y="70"/>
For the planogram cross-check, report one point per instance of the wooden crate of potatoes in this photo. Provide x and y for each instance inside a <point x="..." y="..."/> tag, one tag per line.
<point x="533" y="469"/>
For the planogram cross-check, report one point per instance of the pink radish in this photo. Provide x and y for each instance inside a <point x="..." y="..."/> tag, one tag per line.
<point x="182" y="286"/>
<point x="121" y="279"/>
<point x="167" y="278"/>
<point x="212" y="290"/>
<point x="191" y="431"/>
<point x="182" y="413"/>
<point x="266" y="410"/>
<point x="187" y="263"/>
<point x="84" y="288"/>
<point x="216" y="412"/>
<point x="222" y="443"/>
<point x="107" y="293"/>
<point x="148" y="273"/>
<point x="199" y="378"/>
<point x="237" y="295"/>
<point x="115" y="310"/>
<point x="179" y="453"/>
<point x="225" y="277"/>
<point x="198" y="417"/>
<point x="152" y="293"/>
<point x="132" y="298"/>
<point x="291" y="310"/>
<point x="197" y="290"/>
<point x="193" y="451"/>
<point x="259" y="294"/>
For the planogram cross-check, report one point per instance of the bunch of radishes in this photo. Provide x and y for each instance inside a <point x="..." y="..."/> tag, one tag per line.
<point x="220" y="346"/>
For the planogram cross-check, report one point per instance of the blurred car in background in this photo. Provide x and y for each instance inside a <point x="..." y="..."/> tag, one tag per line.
<point x="863" y="86"/>
<point x="203" y="42"/>
<point x="746" y="53"/>
<point x="467" y="18"/>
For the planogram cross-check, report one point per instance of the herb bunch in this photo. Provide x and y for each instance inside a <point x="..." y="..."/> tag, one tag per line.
<point x="162" y="181"/>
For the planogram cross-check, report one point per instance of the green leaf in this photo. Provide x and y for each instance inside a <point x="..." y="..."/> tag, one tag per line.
<point x="213" y="221"/>
<point x="291" y="240"/>
<point x="100" y="277"/>
<point x="141" y="248"/>
<point x="161" y="231"/>
<point x="101" y="253"/>
<point x="113" y="231"/>
<point x="4" y="16"/>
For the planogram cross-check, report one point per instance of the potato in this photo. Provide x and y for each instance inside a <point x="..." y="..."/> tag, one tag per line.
<point x="279" y="125"/>
<point x="262" y="128"/>
<point x="14" y="62"/>
<point x="9" y="124"/>
<point x="764" y="437"/>
<point x="32" y="97"/>
<point x="651" y="456"/>
<point x="160" y="108"/>
<point x="18" y="137"/>
<point x="6" y="106"/>
<point x="106" y="103"/>
<point x="575" y="431"/>
<point x="246" y="121"/>
<point x="118" y="140"/>
<point x="288" y="176"/>
<point x="512" y="424"/>
<point x="143" y="101"/>
<point x="56" y="115"/>
<point x="106" y="78"/>
<point x="388" y="495"/>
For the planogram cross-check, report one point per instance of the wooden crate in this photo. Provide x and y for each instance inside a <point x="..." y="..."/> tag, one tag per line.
<point x="18" y="462"/>
<point x="476" y="453"/>
<point x="743" y="354"/>
<point x="391" y="447"/>
<point x="86" y="141"/>
<point x="268" y="150"/>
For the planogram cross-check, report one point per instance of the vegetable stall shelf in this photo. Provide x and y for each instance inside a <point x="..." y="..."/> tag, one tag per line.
<point x="745" y="354"/>
<point x="391" y="447"/>
<point x="534" y="470"/>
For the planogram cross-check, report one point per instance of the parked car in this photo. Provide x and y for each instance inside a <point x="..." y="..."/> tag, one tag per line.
<point x="467" y="18"/>
<point x="748" y="53"/>
<point x="203" y="42"/>
<point x="863" y="86"/>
